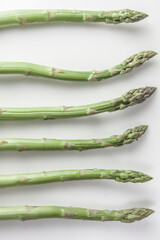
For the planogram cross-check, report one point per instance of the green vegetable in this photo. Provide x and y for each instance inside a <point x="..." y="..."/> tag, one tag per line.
<point x="37" y="212"/>
<point x="30" y="69"/>
<point x="124" y="176"/>
<point x="22" y="144"/>
<point x="132" y="97"/>
<point x="37" y="16"/>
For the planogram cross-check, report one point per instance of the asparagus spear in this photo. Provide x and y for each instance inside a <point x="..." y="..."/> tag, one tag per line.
<point x="38" y="212"/>
<point x="37" y="16"/>
<point x="22" y="144"/>
<point x="132" y="97"/>
<point x="30" y="69"/>
<point x="13" y="180"/>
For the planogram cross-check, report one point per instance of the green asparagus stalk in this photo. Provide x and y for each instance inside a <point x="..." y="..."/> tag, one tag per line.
<point x="39" y="212"/>
<point x="13" y="180"/>
<point x="22" y="144"/>
<point x="132" y="97"/>
<point x="30" y="69"/>
<point x="37" y="16"/>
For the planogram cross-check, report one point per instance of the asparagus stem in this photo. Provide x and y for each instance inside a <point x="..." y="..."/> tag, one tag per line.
<point x="22" y="144"/>
<point x="132" y="97"/>
<point x="30" y="69"/>
<point x="38" y="212"/>
<point x="37" y="16"/>
<point x="13" y="180"/>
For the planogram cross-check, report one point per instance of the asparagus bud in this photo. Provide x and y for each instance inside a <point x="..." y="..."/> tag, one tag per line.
<point x="125" y="15"/>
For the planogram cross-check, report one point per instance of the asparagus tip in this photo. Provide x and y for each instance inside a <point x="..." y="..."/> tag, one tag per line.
<point x="132" y="176"/>
<point x="136" y="96"/>
<point x="133" y="134"/>
<point x="150" y="54"/>
<point x="134" y="16"/>
<point x="124" y="15"/>
<point x="136" y="214"/>
<point x="137" y="60"/>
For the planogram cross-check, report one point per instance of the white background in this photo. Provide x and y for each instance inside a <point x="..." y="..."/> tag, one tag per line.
<point x="82" y="47"/>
